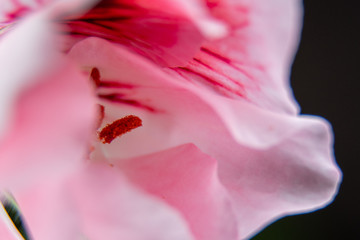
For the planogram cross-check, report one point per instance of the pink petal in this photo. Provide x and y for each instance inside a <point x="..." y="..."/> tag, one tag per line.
<point x="271" y="163"/>
<point x="97" y="203"/>
<point x="19" y="67"/>
<point x="49" y="134"/>
<point x="296" y="175"/>
<point x="186" y="179"/>
<point x="253" y="62"/>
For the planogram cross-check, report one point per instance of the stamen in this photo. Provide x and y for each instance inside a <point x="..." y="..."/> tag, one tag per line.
<point x="119" y="127"/>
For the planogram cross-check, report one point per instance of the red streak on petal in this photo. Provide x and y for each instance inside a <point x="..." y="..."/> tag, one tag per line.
<point x="95" y="76"/>
<point x="214" y="82"/>
<point x="114" y="84"/>
<point x="119" y="98"/>
<point x="226" y="60"/>
<point x="101" y="115"/>
<point x="211" y="68"/>
<point x="216" y="55"/>
<point x="119" y="127"/>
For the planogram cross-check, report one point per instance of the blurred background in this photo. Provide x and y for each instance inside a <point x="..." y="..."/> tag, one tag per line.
<point x="325" y="79"/>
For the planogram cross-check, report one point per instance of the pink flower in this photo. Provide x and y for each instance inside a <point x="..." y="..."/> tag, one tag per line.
<point x="198" y="136"/>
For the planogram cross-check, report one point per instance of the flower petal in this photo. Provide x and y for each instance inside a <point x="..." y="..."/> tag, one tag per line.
<point x="97" y="203"/>
<point x="296" y="175"/>
<point x="52" y="124"/>
<point x="252" y="62"/>
<point x="255" y="148"/>
<point x="186" y="179"/>
<point x="18" y="64"/>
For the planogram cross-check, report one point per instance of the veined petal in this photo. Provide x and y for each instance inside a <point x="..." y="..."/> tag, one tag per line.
<point x="168" y="38"/>
<point x="187" y="179"/>
<point x="98" y="203"/>
<point x="195" y="10"/>
<point x="125" y="91"/>
<point x="262" y="155"/>
<point x="252" y="62"/>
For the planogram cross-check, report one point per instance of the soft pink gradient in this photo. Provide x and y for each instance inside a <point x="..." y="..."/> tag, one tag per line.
<point x="97" y="203"/>
<point x="53" y="115"/>
<point x="222" y="151"/>
<point x="186" y="179"/>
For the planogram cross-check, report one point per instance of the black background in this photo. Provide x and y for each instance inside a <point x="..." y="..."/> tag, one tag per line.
<point x="325" y="79"/>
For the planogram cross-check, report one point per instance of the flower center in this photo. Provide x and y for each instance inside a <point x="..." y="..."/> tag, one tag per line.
<point x="120" y="126"/>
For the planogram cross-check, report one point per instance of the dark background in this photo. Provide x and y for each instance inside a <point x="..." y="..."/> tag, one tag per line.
<point x="325" y="79"/>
